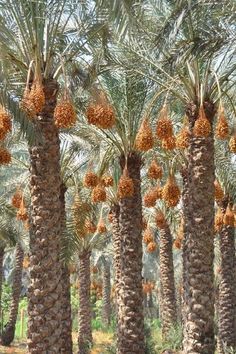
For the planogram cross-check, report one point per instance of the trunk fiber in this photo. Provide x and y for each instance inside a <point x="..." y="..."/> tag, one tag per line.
<point x="85" y="315"/>
<point x="227" y="290"/>
<point x="199" y="242"/>
<point x="167" y="280"/>
<point x="106" y="294"/>
<point x="45" y="290"/>
<point x="66" y="335"/>
<point x="9" y="329"/>
<point x="130" y="300"/>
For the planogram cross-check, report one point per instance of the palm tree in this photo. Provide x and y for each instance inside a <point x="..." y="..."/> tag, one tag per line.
<point x="106" y="291"/>
<point x="34" y="36"/>
<point x="2" y="251"/>
<point x="168" y="305"/>
<point x="227" y="289"/>
<point x="9" y="329"/>
<point x="85" y="315"/>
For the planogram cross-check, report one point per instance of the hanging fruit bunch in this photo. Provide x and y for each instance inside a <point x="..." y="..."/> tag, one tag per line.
<point x="89" y="226"/>
<point x="100" y="113"/>
<point x="80" y="211"/>
<point x="99" y="194"/>
<point x="155" y="171"/>
<point x="169" y="143"/>
<point x="177" y="243"/>
<point x="148" y="287"/>
<point x="202" y="126"/>
<point x="171" y="192"/>
<point x="219" y="193"/>
<point x="17" y="198"/>
<point x="148" y="236"/>
<point x="183" y="137"/>
<point x="229" y="217"/>
<point x="232" y="143"/>
<point x="144" y="140"/>
<point x="160" y="219"/>
<point x="150" y="198"/>
<point x="151" y="247"/>
<point x="222" y="126"/>
<point x="64" y="113"/>
<point x="107" y="181"/>
<point x="90" y="179"/>
<point x="164" y="129"/>
<point x="101" y="227"/>
<point x="219" y="217"/>
<point x="33" y="100"/>
<point x="144" y="223"/>
<point x="22" y="212"/>
<point x="5" y="123"/>
<point x="5" y="156"/>
<point x="125" y="185"/>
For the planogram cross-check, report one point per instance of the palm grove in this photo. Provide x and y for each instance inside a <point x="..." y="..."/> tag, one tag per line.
<point x="117" y="145"/>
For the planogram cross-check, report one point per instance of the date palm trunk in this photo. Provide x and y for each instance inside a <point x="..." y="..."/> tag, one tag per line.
<point x="2" y="251"/>
<point x="106" y="294"/>
<point x="85" y="314"/>
<point x="66" y="335"/>
<point x="227" y="289"/>
<point x="45" y="290"/>
<point x="130" y="301"/>
<point x="8" y="333"/>
<point x="116" y="238"/>
<point x="186" y="219"/>
<point x="199" y="243"/>
<point x="167" y="280"/>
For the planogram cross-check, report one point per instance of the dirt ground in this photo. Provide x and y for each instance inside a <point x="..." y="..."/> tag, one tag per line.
<point x="101" y="340"/>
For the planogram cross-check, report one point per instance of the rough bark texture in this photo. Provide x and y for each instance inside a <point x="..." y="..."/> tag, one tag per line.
<point x="198" y="263"/>
<point x="85" y="315"/>
<point x="169" y="308"/>
<point x="116" y="237"/>
<point x="67" y="345"/>
<point x="9" y="329"/>
<point x="227" y="290"/>
<point x="186" y="176"/>
<point x="106" y="294"/>
<point x="131" y="316"/>
<point x="45" y="320"/>
<point x="66" y="335"/>
<point x="2" y="250"/>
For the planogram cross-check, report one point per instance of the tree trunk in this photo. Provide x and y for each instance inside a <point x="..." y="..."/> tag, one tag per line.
<point x="116" y="237"/>
<point x="199" y="243"/>
<point x="8" y="333"/>
<point x="130" y="301"/>
<point x="106" y="294"/>
<point x="2" y="251"/>
<point x="66" y="336"/>
<point x="45" y="290"/>
<point x="67" y="344"/>
<point x="227" y="290"/>
<point x="85" y="315"/>
<point x="169" y="308"/>
<point x="186" y="219"/>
